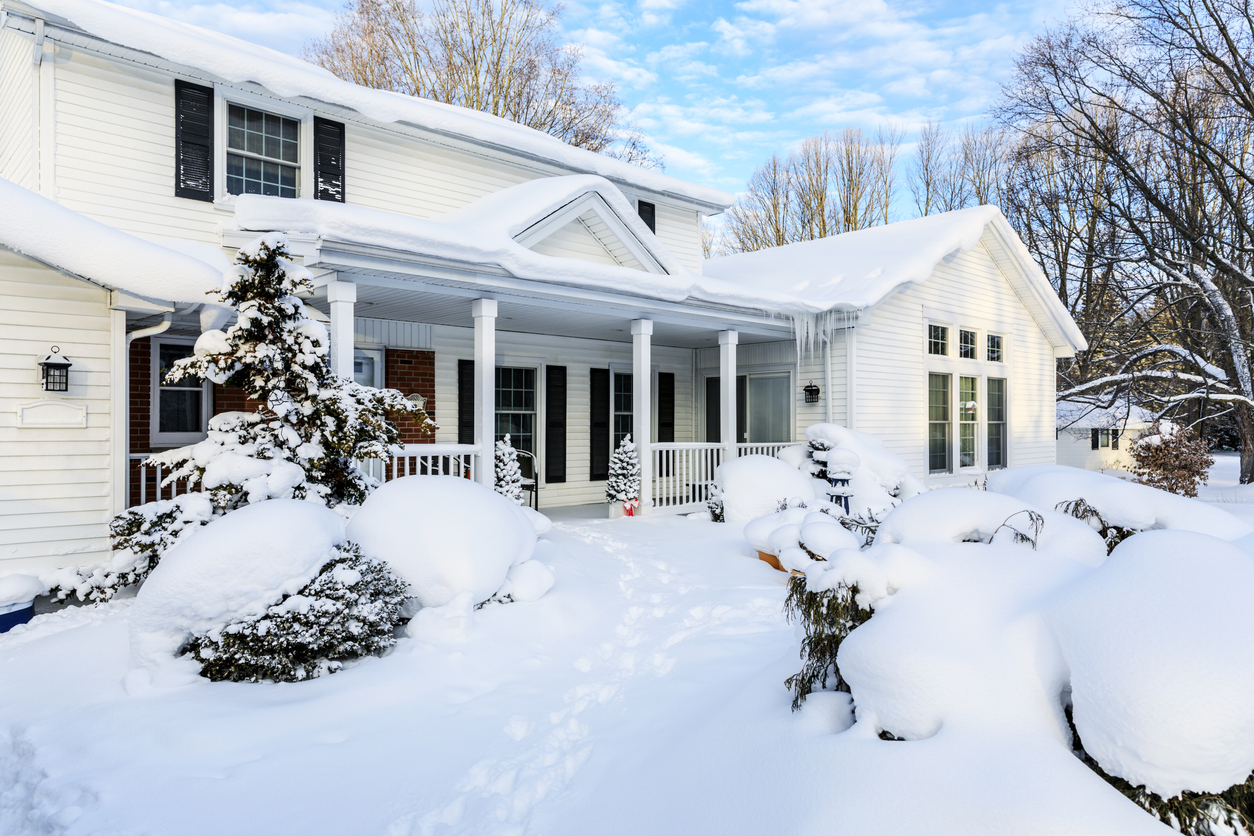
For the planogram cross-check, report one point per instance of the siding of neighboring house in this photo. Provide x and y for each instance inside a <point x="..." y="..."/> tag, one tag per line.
<point x="115" y="160"/>
<point x="1075" y="448"/>
<point x="55" y="481"/>
<point x="17" y="103"/>
<point x="892" y="363"/>
<point x="578" y="356"/>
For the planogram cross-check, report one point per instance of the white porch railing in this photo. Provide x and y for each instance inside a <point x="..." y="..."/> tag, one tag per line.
<point x="144" y="482"/>
<point x="426" y="460"/>
<point x="683" y="472"/>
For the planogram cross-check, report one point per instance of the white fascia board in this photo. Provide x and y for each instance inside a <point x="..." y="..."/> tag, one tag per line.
<point x="1064" y="334"/>
<point x="369" y="269"/>
<point x="22" y="18"/>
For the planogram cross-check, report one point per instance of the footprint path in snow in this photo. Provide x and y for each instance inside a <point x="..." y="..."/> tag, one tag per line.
<point x="498" y="794"/>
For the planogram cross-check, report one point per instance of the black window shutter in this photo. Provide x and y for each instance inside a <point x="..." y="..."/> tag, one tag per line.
<point x="465" y="401"/>
<point x="555" y="424"/>
<point x="713" y="405"/>
<point x="599" y="431"/>
<point x="1096" y="434"/>
<point x="665" y="407"/>
<point x="328" y="160"/>
<point x="193" y="141"/>
<point x="648" y="214"/>
<point x="742" y="409"/>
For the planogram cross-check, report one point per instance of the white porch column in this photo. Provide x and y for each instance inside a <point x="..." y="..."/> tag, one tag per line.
<point x="342" y="296"/>
<point x="727" y="390"/>
<point x="484" y="312"/>
<point x="642" y="410"/>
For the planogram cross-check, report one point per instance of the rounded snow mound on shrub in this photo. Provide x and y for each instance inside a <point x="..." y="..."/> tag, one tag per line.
<point x="753" y="486"/>
<point x="878" y="477"/>
<point x="965" y="515"/>
<point x="1121" y="503"/>
<point x="1159" y="643"/>
<point x="797" y="533"/>
<point x="231" y="570"/>
<point x="444" y="535"/>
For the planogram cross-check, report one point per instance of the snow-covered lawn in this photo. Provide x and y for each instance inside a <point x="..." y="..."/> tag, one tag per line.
<point x="643" y="694"/>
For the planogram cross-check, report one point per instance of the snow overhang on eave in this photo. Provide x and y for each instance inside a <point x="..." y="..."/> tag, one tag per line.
<point x="21" y="17"/>
<point x="371" y="265"/>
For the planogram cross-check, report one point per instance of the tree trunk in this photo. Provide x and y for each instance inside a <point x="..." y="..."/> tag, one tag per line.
<point x="1245" y="427"/>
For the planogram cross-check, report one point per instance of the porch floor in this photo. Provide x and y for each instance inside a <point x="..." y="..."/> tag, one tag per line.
<point x="564" y="513"/>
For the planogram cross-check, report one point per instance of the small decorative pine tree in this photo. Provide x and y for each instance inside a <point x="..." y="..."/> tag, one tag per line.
<point x="509" y="479"/>
<point x="623" y="484"/>
<point x="302" y="443"/>
<point x="1168" y="457"/>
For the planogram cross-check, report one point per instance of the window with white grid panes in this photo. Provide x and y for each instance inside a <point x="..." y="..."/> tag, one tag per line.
<point x="263" y="153"/>
<point x="994" y="348"/>
<point x="516" y="407"/>
<point x="996" y="412"/>
<point x="966" y="344"/>
<point x="939" y="428"/>
<point x="937" y="340"/>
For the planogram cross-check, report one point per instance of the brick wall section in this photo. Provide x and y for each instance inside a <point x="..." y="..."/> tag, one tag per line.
<point x="412" y="372"/>
<point x="141" y="394"/>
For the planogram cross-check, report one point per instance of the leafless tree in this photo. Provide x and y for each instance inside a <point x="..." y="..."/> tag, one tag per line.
<point x="498" y="56"/>
<point x="762" y="217"/>
<point x="1155" y="98"/>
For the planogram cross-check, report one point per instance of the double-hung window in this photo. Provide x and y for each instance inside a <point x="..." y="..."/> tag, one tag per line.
<point x="623" y="407"/>
<point x="968" y="420"/>
<point x="516" y="407"/>
<point x="263" y="153"/>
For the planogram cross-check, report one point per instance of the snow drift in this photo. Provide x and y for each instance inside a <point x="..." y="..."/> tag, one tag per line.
<point x="751" y="486"/>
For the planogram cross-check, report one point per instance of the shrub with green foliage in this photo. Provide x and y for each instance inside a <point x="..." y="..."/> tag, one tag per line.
<point x="827" y="617"/>
<point x="1190" y="813"/>
<point x="351" y="609"/>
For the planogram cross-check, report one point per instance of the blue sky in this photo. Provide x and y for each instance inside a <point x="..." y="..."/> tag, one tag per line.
<point x="718" y="86"/>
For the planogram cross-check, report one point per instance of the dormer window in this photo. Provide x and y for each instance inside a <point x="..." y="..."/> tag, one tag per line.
<point x="263" y="153"/>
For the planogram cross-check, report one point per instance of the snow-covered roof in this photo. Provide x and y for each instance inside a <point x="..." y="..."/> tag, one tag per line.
<point x="63" y="239"/>
<point x="236" y="61"/>
<point x="485" y="232"/>
<point x="858" y="270"/>
<point x="1087" y="416"/>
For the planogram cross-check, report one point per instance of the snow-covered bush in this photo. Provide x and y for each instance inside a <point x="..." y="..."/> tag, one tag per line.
<point x="233" y="571"/>
<point x="1157" y="641"/>
<point x="623" y="484"/>
<point x="508" y="475"/>
<point x="349" y="610"/>
<point x="1121" y="504"/>
<point x="963" y="515"/>
<point x="753" y="486"/>
<point x="444" y="535"/>
<point x="827" y="617"/>
<point x="878" y="478"/>
<point x="301" y="444"/>
<point x="799" y="535"/>
<point x="1168" y="457"/>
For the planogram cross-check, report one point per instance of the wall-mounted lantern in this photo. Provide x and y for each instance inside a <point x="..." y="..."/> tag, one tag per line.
<point x="56" y="371"/>
<point x="812" y="392"/>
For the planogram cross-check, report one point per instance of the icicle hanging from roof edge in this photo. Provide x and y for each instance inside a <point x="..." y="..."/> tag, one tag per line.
<point x="811" y="329"/>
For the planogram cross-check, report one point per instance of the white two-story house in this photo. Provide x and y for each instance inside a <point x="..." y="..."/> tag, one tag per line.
<point x="515" y="284"/>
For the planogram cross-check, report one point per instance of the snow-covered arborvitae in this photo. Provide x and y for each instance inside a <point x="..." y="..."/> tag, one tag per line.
<point x="509" y="480"/>
<point x="623" y="484"/>
<point x="301" y="442"/>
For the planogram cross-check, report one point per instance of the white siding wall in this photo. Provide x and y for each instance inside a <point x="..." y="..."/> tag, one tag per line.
<point x="578" y="356"/>
<point x="54" y="481"/>
<point x="1075" y="448"/>
<point x="115" y="159"/>
<point x="17" y="109"/>
<point x="891" y="394"/>
<point x="575" y="241"/>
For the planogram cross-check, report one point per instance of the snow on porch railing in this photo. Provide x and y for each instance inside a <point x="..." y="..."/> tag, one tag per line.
<point x="426" y="460"/>
<point x="763" y="448"/>
<point x="143" y="482"/>
<point x="683" y="473"/>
